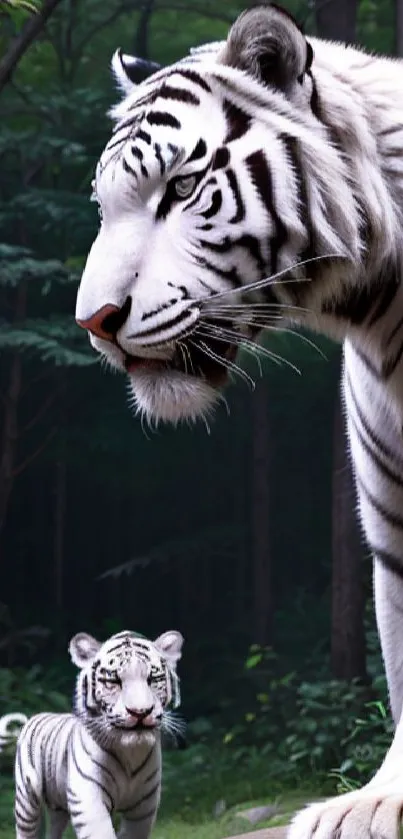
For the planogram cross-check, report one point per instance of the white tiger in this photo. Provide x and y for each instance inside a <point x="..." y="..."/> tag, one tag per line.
<point x="258" y="177"/>
<point x="106" y="756"/>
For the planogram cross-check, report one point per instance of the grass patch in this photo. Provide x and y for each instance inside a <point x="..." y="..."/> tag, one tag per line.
<point x="203" y="791"/>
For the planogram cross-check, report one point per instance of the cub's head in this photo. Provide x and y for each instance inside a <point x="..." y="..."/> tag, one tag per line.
<point x="215" y="179"/>
<point x="126" y="684"/>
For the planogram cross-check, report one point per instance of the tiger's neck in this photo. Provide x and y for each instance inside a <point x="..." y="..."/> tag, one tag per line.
<point x="371" y="322"/>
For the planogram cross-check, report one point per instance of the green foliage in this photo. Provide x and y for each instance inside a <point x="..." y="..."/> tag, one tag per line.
<point x="194" y="779"/>
<point x="30" y="691"/>
<point x="365" y="746"/>
<point x="17" y="5"/>
<point x="18" y="264"/>
<point x="27" y="691"/>
<point x="56" y="339"/>
<point x="311" y="728"/>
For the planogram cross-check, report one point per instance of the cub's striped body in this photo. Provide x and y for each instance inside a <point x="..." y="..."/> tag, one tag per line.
<point x="106" y="756"/>
<point x="263" y="154"/>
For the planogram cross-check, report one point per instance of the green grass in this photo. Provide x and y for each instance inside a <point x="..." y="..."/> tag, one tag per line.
<point x="194" y="782"/>
<point x="230" y="823"/>
<point x="177" y="826"/>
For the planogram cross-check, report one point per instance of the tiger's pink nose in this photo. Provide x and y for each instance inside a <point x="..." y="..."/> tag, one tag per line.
<point x="107" y="321"/>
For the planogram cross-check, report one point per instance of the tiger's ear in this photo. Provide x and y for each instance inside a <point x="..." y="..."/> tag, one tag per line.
<point x="169" y="645"/>
<point x="130" y="71"/>
<point x="83" y="648"/>
<point x="266" y="42"/>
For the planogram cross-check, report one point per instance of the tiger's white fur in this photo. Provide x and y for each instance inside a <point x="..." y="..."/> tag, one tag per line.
<point x="106" y="756"/>
<point x="242" y="161"/>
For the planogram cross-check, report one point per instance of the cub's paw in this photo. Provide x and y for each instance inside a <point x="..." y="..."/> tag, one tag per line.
<point x="370" y="813"/>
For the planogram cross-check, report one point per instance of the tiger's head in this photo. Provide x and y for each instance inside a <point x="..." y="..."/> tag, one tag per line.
<point x="220" y="174"/>
<point x="126" y="684"/>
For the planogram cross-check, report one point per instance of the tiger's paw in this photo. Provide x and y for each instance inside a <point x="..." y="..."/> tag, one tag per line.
<point x="373" y="812"/>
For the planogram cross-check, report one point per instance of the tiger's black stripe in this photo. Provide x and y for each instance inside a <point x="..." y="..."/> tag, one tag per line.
<point x="261" y="177"/>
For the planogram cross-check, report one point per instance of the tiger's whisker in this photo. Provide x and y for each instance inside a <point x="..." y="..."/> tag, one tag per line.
<point x="303" y="338"/>
<point x="260" y="307"/>
<point x="252" y="350"/>
<point x="273" y="279"/>
<point x="225" y="362"/>
<point x="269" y="325"/>
<point x="242" y="340"/>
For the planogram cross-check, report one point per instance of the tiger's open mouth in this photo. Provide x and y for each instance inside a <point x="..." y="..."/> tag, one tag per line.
<point x="198" y="355"/>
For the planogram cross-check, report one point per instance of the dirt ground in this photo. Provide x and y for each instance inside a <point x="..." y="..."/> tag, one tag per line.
<point x="266" y="833"/>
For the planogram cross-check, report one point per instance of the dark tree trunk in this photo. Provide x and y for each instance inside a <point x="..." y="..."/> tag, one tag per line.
<point x="59" y="531"/>
<point x="10" y="416"/>
<point x="261" y="542"/>
<point x="348" y="653"/>
<point x="336" y="20"/>
<point x="141" y="48"/>
<point x="399" y="28"/>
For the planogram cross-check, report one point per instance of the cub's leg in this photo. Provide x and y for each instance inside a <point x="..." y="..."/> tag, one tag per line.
<point x="28" y="817"/>
<point x="136" y="828"/>
<point x="58" y="821"/>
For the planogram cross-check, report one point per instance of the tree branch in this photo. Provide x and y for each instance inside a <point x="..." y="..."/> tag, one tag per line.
<point x="31" y="457"/>
<point x="124" y="9"/>
<point x="202" y="11"/>
<point x="23" y="41"/>
<point x="44" y="374"/>
<point x="40" y="412"/>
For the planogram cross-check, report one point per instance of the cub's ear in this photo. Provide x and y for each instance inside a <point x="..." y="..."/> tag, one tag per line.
<point x="266" y="42"/>
<point x="130" y="71"/>
<point x="169" y="645"/>
<point x="83" y="648"/>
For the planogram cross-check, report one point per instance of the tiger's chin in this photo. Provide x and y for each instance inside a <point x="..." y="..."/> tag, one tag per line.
<point x="172" y="396"/>
<point x="130" y="738"/>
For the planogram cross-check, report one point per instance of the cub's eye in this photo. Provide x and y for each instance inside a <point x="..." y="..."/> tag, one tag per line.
<point x="185" y="186"/>
<point x="110" y="683"/>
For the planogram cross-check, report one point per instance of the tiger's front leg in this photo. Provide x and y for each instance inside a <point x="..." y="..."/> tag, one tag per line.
<point x="373" y="812"/>
<point x="138" y="820"/>
<point x="89" y="805"/>
<point x="91" y="820"/>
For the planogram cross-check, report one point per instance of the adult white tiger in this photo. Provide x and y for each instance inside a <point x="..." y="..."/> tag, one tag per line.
<point x="106" y="756"/>
<point x="247" y="158"/>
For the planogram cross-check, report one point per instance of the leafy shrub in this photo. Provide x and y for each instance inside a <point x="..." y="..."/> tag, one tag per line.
<point x="365" y="747"/>
<point x="28" y="692"/>
<point x="325" y="728"/>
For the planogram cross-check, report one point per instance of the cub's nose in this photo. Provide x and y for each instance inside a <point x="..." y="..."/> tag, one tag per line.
<point x="140" y="713"/>
<point x="107" y="321"/>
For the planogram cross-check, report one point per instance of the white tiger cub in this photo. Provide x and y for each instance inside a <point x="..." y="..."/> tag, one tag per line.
<point x="106" y="755"/>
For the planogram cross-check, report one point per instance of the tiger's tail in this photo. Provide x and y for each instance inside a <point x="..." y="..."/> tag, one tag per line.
<point x="7" y="734"/>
